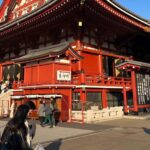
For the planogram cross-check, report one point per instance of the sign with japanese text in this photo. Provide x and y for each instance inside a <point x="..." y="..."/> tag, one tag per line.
<point x="63" y="75"/>
<point x="143" y="88"/>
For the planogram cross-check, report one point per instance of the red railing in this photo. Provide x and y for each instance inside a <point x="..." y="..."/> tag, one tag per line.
<point x="98" y="80"/>
<point x="89" y="80"/>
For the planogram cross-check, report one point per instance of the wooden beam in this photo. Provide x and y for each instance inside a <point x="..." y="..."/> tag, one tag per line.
<point x="147" y="29"/>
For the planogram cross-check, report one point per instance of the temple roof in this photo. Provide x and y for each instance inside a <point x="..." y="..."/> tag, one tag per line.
<point x="57" y="4"/>
<point x="128" y="12"/>
<point x="47" y="52"/>
<point x="134" y="63"/>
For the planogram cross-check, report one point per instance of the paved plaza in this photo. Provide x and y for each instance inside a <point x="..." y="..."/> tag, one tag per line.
<point x="119" y="134"/>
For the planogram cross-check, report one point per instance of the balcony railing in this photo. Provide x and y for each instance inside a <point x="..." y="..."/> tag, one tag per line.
<point x="98" y="80"/>
<point x="88" y="80"/>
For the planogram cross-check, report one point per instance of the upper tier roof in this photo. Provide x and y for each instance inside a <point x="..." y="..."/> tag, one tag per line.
<point x="9" y="6"/>
<point x="47" y="52"/>
<point x="128" y="12"/>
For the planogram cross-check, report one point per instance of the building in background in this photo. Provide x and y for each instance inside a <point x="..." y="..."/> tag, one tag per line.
<point x="92" y="57"/>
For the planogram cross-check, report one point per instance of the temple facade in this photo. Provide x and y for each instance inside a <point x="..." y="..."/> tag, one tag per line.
<point x="91" y="57"/>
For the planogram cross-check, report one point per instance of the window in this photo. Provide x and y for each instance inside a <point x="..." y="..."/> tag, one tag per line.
<point x="114" y="99"/>
<point x="108" y="65"/>
<point x="130" y="99"/>
<point x="93" y="99"/>
<point x="76" y="96"/>
<point x="76" y="103"/>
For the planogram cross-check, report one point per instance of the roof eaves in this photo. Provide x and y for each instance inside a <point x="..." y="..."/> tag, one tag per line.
<point x="31" y="14"/>
<point x="133" y="62"/>
<point x="128" y="12"/>
<point x="43" y="53"/>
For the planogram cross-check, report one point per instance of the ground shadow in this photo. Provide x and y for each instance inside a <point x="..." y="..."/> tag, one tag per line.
<point x="146" y="130"/>
<point x="54" y="145"/>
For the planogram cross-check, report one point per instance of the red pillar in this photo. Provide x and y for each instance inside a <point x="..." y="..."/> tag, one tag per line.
<point x="80" y="68"/>
<point x="133" y="77"/>
<point x="100" y="64"/>
<point x="70" y="105"/>
<point x="83" y="101"/>
<point x="125" y="100"/>
<point x="78" y="44"/>
<point x="104" y="98"/>
<point x="53" y="74"/>
<point x="83" y="95"/>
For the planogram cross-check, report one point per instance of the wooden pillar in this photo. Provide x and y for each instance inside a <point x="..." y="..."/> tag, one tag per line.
<point x="38" y="73"/>
<point x="104" y="98"/>
<point x="53" y="74"/>
<point x="83" y="102"/>
<point x="83" y="95"/>
<point x="78" y="44"/>
<point x="125" y="100"/>
<point x="82" y="74"/>
<point x="134" y="90"/>
<point x="100" y="65"/>
<point x="70" y="105"/>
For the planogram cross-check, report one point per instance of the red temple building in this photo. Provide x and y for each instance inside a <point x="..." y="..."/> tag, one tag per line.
<point x="91" y="56"/>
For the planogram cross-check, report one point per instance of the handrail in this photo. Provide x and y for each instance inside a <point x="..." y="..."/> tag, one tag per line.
<point x="89" y="80"/>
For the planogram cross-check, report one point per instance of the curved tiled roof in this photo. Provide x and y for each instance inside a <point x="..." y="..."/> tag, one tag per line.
<point x="128" y="12"/>
<point x="49" y="51"/>
<point x="49" y="4"/>
<point x="44" y="52"/>
<point x="133" y="62"/>
<point x="30" y="14"/>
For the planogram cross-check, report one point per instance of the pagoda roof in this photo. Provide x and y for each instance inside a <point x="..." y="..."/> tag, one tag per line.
<point x="54" y="5"/>
<point x="128" y="12"/>
<point x="28" y="15"/>
<point x="133" y="64"/>
<point x="47" y="52"/>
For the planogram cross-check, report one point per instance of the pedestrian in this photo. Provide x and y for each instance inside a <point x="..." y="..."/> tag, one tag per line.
<point x="15" y="132"/>
<point x="3" y="87"/>
<point x="52" y="113"/>
<point x="47" y="113"/>
<point x="12" y="109"/>
<point x="41" y="112"/>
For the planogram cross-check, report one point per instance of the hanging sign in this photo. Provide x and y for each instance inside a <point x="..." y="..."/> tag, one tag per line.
<point x="143" y="88"/>
<point x="63" y="75"/>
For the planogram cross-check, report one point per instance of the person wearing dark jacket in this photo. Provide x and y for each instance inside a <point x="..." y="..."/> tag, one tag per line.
<point x="15" y="132"/>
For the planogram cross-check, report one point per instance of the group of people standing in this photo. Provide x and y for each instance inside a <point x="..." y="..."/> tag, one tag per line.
<point x="46" y="112"/>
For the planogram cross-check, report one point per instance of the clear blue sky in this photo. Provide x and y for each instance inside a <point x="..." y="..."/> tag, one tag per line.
<point x="140" y="7"/>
